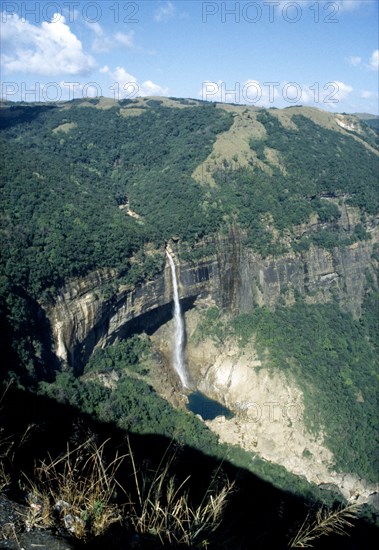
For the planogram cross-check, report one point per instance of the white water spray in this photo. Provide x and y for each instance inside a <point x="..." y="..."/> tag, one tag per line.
<point x="178" y="355"/>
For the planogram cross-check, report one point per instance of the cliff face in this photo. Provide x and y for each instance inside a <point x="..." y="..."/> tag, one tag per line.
<point x="317" y="274"/>
<point x="83" y="316"/>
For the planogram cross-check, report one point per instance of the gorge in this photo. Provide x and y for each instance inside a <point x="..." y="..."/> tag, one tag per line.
<point x="235" y="281"/>
<point x="249" y="236"/>
<point x="232" y="277"/>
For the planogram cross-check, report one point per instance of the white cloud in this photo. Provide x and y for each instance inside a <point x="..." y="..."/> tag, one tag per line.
<point x="103" y="42"/>
<point x="354" y="60"/>
<point x="95" y="27"/>
<point x="125" y="39"/>
<point x="366" y="94"/>
<point x="165" y="12"/>
<point x="341" y="91"/>
<point x="128" y="85"/>
<point x="374" y="60"/>
<point x="325" y="95"/>
<point x="149" y="88"/>
<point x="119" y="75"/>
<point x="48" y="49"/>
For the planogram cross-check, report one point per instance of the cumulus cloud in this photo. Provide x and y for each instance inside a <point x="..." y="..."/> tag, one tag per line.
<point x="164" y="12"/>
<point x="127" y="85"/>
<point x="341" y="90"/>
<point x="150" y="88"/>
<point x="374" y="60"/>
<point x="325" y="96"/>
<point x="48" y="49"/>
<point x="354" y="60"/>
<point x="119" y="74"/>
<point x="125" y="39"/>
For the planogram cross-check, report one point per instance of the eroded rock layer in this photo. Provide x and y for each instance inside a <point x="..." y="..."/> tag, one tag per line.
<point x="95" y="310"/>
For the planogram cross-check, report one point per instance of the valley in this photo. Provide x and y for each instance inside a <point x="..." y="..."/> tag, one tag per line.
<point x="159" y="247"/>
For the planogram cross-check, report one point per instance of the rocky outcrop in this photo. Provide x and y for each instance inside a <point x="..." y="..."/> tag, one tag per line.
<point x="268" y="405"/>
<point x="317" y="274"/>
<point x="268" y="420"/>
<point x="94" y="311"/>
<point x="86" y="313"/>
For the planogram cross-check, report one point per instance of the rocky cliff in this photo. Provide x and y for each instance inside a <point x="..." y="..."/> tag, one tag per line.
<point x="86" y="314"/>
<point x="269" y="411"/>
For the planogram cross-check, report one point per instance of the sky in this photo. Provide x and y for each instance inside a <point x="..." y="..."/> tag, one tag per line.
<point x="264" y="53"/>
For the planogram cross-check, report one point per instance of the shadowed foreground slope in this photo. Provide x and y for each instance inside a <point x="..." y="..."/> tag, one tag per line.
<point x="256" y="515"/>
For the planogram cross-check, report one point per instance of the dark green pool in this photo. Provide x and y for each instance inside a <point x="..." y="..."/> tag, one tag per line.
<point x="208" y="409"/>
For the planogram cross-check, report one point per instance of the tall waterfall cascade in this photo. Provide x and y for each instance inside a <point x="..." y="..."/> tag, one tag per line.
<point x="178" y="351"/>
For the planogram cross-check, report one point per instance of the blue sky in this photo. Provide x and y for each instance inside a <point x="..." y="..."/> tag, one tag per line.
<point x="264" y="53"/>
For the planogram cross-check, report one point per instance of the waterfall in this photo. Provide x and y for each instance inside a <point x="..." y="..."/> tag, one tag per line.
<point x="178" y="355"/>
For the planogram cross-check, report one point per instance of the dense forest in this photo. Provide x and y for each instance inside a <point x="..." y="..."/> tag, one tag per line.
<point x="61" y="192"/>
<point x="62" y="167"/>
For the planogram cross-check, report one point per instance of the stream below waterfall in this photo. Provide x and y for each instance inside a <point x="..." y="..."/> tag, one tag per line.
<point x="198" y="403"/>
<point x="207" y="408"/>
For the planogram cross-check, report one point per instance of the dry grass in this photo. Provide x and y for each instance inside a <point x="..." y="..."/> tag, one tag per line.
<point x="8" y="533"/>
<point x="76" y="490"/>
<point x="6" y="445"/>
<point x="4" y="477"/>
<point x="5" y="449"/>
<point x="327" y="522"/>
<point x="163" y="508"/>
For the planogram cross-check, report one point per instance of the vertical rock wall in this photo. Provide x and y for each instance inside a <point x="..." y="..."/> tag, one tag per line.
<point x="84" y="315"/>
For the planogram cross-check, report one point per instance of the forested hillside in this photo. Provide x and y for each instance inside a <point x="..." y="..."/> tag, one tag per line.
<point x="67" y="168"/>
